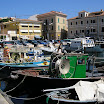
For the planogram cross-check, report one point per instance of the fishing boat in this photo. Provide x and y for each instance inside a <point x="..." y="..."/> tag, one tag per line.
<point x="26" y="65"/>
<point x="65" y="70"/>
<point x="16" y="58"/>
<point x="48" y="50"/>
<point x="81" y="92"/>
<point x="80" y="45"/>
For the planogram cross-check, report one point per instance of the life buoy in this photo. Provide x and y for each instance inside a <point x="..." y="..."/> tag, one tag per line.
<point x="15" y="57"/>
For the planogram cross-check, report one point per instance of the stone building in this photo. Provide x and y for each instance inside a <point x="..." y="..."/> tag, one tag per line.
<point x="54" y="25"/>
<point x="87" y="24"/>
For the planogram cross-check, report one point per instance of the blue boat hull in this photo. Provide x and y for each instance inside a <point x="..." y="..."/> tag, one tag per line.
<point x="25" y="65"/>
<point x="6" y="68"/>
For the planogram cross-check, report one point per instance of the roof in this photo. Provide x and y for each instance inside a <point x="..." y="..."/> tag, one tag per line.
<point x="92" y="14"/>
<point x="21" y="20"/>
<point x="51" y="13"/>
<point x="73" y="18"/>
<point x="25" y="20"/>
<point x="82" y="11"/>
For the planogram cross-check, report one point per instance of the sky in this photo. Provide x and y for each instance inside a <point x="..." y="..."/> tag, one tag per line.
<point x="26" y="8"/>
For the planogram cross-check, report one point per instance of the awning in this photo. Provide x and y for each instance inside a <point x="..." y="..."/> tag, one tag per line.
<point x="24" y="37"/>
<point x="37" y="36"/>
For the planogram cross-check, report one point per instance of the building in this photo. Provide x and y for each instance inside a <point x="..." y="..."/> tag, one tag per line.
<point x="54" y="25"/>
<point x="21" y="28"/>
<point x="87" y="24"/>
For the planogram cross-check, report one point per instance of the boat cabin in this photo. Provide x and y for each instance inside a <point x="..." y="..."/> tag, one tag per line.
<point x="82" y="43"/>
<point x="68" y="65"/>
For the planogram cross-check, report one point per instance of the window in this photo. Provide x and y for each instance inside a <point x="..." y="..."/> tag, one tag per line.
<point x="64" y="27"/>
<point x="102" y="29"/>
<point x="81" y="15"/>
<point x="102" y="20"/>
<point x="76" y="32"/>
<point x="87" y="22"/>
<point x="58" y="20"/>
<point x="46" y="21"/>
<point x="63" y="21"/>
<point x="94" y="30"/>
<point x="91" y="30"/>
<point x="58" y="27"/>
<point x="52" y="20"/>
<point x="82" y="31"/>
<point x="71" y="23"/>
<point x="36" y="26"/>
<point x="81" y="22"/>
<point x="71" y="32"/>
<point x="30" y="26"/>
<point x="14" y="38"/>
<point x="76" y="23"/>
<point x="81" y="61"/>
<point x="24" y="26"/>
<point x="24" y="32"/>
<point x="52" y="28"/>
<point x="86" y="15"/>
<point x="93" y="21"/>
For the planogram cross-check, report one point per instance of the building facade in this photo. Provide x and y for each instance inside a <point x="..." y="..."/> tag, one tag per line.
<point x="21" y="28"/>
<point x="54" y="25"/>
<point x="87" y="24"/>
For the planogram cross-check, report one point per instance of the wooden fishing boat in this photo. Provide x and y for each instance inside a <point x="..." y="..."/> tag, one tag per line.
<point x="65" y="70"/>
<point x="81" y="92"/>
<point x="20" y="59"/>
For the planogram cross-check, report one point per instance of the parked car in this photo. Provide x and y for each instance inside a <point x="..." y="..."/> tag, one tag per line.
<point x="42" y="42"/>
<point x="47" y="41"/>
<point x="68" y="40"/>
<point x="26" y="43"/>
<point x="63" y="42"/>
<point x="34" y="42"/>
<point x="17" y="42"/>
<point x="8" y="43"/>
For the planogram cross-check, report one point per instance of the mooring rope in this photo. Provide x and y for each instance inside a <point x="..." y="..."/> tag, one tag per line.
<point x="26" y="98"/>
<point x="3" y="93"/>
<point x="17" y="85"/>
<point x="2" y="67"/>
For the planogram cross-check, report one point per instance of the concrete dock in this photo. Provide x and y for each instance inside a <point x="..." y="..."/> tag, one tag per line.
<point x="4" y="99"/>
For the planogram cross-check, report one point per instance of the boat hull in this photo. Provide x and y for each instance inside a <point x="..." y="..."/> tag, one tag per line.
<point x="34" y="86"/>
<point x="7" y="68"/>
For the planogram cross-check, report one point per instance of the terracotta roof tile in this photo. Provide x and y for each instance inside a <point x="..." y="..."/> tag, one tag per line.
<point x="92" y="14"/>
<point x="82" y="11"/>
<point x="51" y="13"/>
<point x="73" y="18"/>
<point x="26" y="20"/>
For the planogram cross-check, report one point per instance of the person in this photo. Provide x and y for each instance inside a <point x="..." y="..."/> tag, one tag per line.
<point x="60" y="48"/>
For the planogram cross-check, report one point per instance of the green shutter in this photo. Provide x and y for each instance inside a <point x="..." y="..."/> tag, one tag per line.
<point x="58" y="27"/>
<point x="58" y="20"/>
